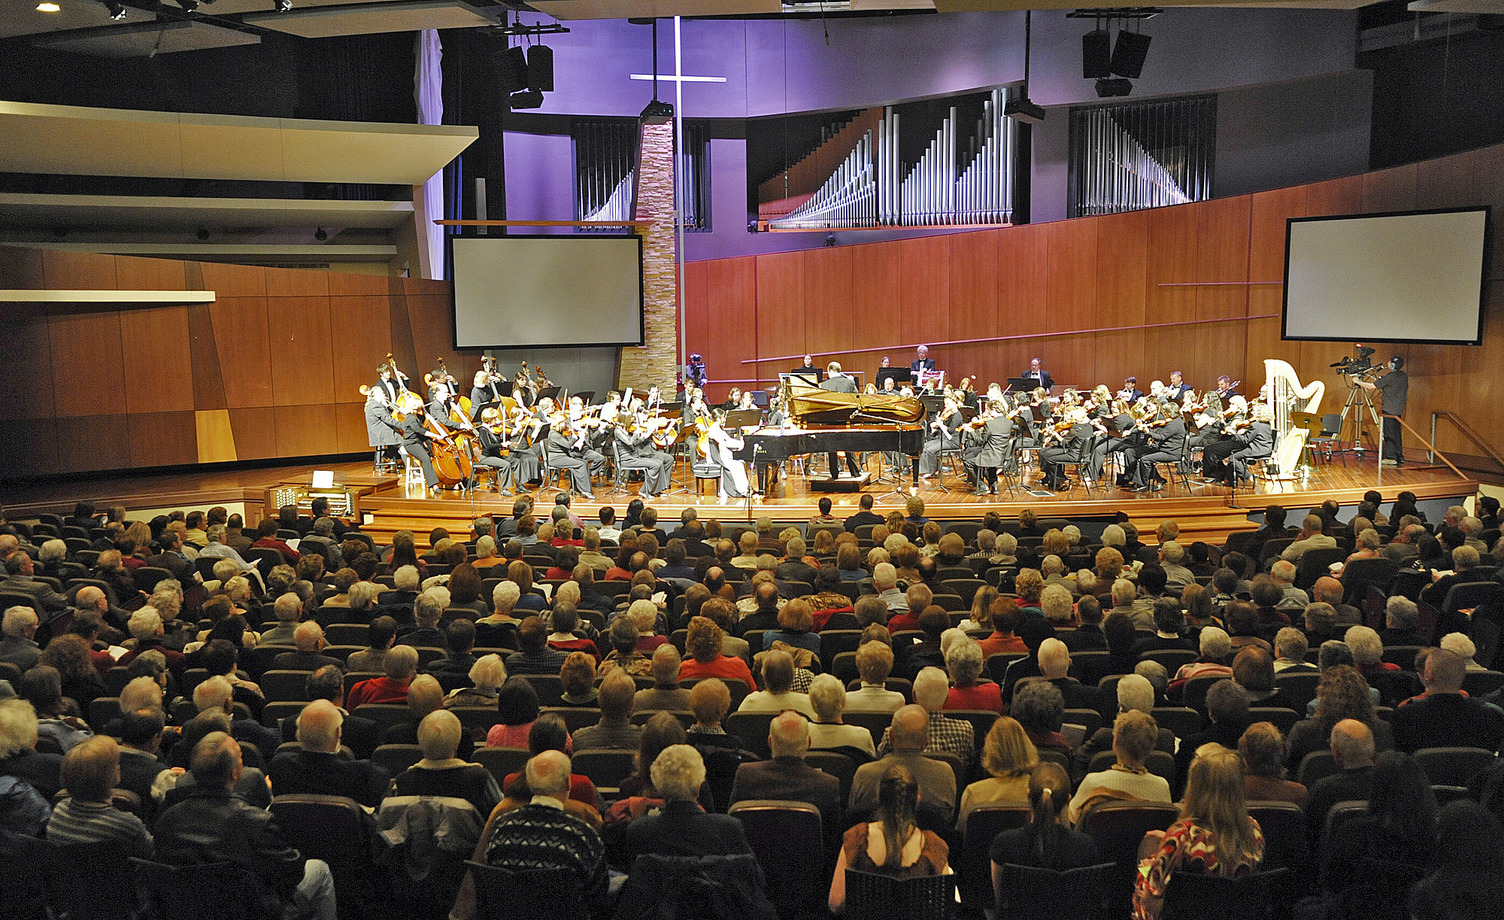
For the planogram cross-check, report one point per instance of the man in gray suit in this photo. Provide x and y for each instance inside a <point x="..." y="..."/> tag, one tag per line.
<point x="937" y="782"/>
<point x="837" y="382"/>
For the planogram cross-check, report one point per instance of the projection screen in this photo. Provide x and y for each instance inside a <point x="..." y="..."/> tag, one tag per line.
<point x="547" y="291"/>
<point x="1412" y="276"/>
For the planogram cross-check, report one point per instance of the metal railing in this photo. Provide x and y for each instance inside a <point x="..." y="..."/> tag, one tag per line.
<point x="1467" y="432"/>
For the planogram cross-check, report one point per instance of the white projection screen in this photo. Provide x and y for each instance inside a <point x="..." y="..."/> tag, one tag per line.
<point x="1409" y="276"/>
<point x="547" y="291"/>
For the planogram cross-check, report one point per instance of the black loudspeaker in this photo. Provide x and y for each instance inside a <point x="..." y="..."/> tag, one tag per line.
<point x="1129" y="53"/>
<point x="511" y="69"/>
<point x="540" y="68"/>
<point x="1096" y="54"/>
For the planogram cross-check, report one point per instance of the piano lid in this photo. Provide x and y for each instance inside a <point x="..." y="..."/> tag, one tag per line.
<point x="817" y="406"/>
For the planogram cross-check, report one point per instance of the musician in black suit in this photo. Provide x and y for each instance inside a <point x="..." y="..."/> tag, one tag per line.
<point x="1062" y="447"/>
<point x="807" y="372"/>
<point x="1178" y="387"/>
<point x="1217" y="440"/>
<point x="1227" y="387"/>
<point x="837" y="382"/>
<point x="987" y="447"/>
<point x="1037" y="372"/>
<point x="1130" y="390"/>
<point x="922" y="361"/>
<point x="485" y="392"/>
<point x="415" y="435"/>
<point x="1254" y="444"/>
<point x="1166" y="434"/>
<point x="563" y="454"/>
<point x="941" y="434"/>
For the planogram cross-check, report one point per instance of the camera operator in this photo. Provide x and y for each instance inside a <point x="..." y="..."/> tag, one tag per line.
<point x="1395" y="386"/>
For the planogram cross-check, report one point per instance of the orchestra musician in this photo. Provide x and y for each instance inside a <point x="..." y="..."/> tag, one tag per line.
<point x="943" y="434"/>
<point x="382" y="437"/>
<point x="1255" y="443"/>
<point x="1166" y="435"/>
<point x="1066" y="442"/>
<point x="1178" y="387"/>
<point x="922" y="361"/>
<point x="390" y="384"/>
<point x="492" y="444"/>
<point x="1128" y="441"/>
<point x="808" y="372"/>
<point x="485" y="390"/>
<point x="986" y="445"/>
<point x="1226" y="388"/>
<point x="1130" y="390"/>
<point x="415" y="430"/>
<point x="566" y="446"/>
<point x="1037" y="372"/>
<point x="722" y="446"/>
<point x="838" y="382"/>
<point x="440" y="376"/>
<point x="635" y="451"/>
<point x="1218" y="441"/>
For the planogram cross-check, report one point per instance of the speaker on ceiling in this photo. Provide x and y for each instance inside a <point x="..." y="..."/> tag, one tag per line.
<point x="511" y="68"/>
<point x="1096" y="54"/>
<point x="1129" y="53"/>
<point x="540" y="68"/>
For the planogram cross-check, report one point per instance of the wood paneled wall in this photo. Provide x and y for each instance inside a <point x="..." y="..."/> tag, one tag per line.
<point x="270" y="369"/>
<point x="1194" y="287"/>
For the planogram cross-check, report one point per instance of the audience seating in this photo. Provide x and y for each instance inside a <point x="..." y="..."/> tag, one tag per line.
<point x="334" y="828"/>
<point x="883" y="897"/>
<point x="1118" y="829"/>
<point x="606" y="768"/>
<point x="194" y="892"/>
<point x="1027" y="893"/>
<point x="1453" y="766"/>
<point x="385" y="715"/>
<point x="788" y="839"/>
<point x="575" y="717"/>
<point x="1286" y="844"/>
<point x="1192" y="896"/>
<point x="973" y="864"/>
<point x="396" y="758"/>
<point x="501" y="762"/>
<point x="537" y="894"/>
<point x="1159" y="763"/>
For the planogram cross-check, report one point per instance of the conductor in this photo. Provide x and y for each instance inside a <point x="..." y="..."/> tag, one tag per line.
<point x="1395" y="386"/>
<point x="1037" y="372"/>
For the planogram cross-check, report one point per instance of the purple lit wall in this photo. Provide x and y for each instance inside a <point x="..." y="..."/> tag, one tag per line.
<point x="774" y="67"/>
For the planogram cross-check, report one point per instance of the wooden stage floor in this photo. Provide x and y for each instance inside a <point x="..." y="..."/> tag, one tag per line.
<point x="1204" y="513"/>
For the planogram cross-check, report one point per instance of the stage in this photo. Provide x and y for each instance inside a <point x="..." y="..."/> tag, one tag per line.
<point x="388" y="504"/>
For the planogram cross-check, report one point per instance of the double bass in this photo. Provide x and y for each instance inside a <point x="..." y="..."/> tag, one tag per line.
<point x="451" y="461"/>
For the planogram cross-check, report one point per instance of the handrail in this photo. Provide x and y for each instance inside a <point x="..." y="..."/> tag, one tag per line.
<point x="1467" y="432"/>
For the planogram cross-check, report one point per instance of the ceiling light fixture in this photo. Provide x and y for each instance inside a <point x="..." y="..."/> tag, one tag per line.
<point x="283" y="6"/>
<point x="49" y="7"/>
<point x="321" y="234"/>
<point x="115" y="9"/>
<point x="188" y="5"/>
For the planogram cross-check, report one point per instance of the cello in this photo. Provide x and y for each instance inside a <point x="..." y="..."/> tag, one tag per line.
<point x="451" y="462"/>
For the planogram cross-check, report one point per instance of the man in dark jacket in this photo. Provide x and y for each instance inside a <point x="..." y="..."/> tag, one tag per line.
<point x="212" y="825"/>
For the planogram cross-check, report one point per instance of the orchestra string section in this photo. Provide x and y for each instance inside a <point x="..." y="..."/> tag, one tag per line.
<point x="908" y="428"/>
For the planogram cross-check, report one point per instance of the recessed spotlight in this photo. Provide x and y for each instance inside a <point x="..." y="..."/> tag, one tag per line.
<point x="283" y="6"/>
<point x="49" y="7"/>
<point x="321" y="234"/>
<point x="115" y="9"/>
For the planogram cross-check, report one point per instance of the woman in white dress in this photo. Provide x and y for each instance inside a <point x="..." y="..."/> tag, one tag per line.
<point x="733" y="471"/>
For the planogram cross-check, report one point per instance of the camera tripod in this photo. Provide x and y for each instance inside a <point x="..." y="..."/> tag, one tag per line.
<point x="1359" y="402"/>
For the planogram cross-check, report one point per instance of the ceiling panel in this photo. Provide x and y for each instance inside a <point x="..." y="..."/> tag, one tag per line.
<point x="18" y="17"/>
<point x="139" y="212"/>
<point x="78" y="140"/>
<point x="142" y="39"/>
<point x="367" y="18"/>
<point x="624" y="9"/>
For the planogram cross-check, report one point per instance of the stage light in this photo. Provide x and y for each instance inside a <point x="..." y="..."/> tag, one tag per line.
<point x="115" y="9"/>
<point x="657" y="113"/>
<point x="1114" y="87"/>
<point x="283" y="6"/>
<point x="48" y="8"/>
<point x="1096" y="54"/>
<point x="1128" y="54"/>
<point x="321" y="234"/>
<point x="188" y="6"/>
<point x="540" y="68"/>
<point x="511" y="68"/>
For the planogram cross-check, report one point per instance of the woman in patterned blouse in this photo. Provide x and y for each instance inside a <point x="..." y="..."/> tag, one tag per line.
<point x="1213" y="836"/>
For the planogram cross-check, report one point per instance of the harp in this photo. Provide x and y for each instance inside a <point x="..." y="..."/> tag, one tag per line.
<point x="1288" y="396"/>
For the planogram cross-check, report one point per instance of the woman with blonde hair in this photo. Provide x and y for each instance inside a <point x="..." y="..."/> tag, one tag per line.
<point x="1214" y="834"/>
<point x="981" y="609"/>
<point x="1008" y="756"/>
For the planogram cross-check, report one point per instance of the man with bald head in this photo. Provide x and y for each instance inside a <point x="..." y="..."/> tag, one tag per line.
<point x="1352" y="746"/>
<point x="543" y="835"/>
<point x="787" y="776"/>
<point x="1329" y="590"/>
<point x="319" y="767"/>
<point x="212" y="825"/>
<point x="1443" y="716"/>
<point x="309" y="639"/>
<point x="906" y="735"/>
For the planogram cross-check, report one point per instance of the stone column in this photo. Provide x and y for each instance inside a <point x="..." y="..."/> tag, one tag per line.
<point x="656" y="362"/>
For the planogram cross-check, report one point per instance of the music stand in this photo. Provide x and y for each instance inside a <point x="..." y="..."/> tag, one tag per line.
<point x="899" y="376"/>
<point x="549" y="393"/>
<point x="760" y="398"/>
<point x="810" y="378"/>
<point x="586" y="396"/>
<point x="743" y="418"/>
<point x="1021" y="384"/>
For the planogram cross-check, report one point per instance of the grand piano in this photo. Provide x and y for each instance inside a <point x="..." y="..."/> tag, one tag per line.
<point x="824" y="422"/>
